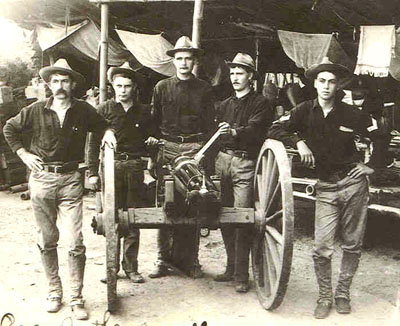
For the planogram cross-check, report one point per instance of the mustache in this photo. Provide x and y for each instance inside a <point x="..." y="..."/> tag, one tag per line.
<point x="60" y="92"/>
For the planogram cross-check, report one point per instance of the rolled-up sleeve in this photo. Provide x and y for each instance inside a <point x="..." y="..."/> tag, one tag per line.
<point x="288" y="127"/>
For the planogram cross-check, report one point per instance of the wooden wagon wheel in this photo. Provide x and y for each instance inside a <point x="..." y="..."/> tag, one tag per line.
<point x="274" y="213"/>
<point x="111" y="228"/>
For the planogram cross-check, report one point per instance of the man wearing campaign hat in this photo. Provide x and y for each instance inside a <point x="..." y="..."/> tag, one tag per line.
<point x="59" y="125"/>
<point x="323" y="131"/>
<point x="182" y="106"/>
<point x="131" y="121"/>
<point x="243" y="122"/>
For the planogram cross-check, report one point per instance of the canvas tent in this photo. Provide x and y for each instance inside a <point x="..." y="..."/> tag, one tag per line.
<point x="83" y="38"/>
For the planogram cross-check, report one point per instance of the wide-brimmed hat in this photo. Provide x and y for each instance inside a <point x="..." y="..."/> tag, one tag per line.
<point x="327" y="65"/>
<point x="243" y="60"/>
<point x="125" y="69"/>
<point x="61" y="66"/>
<point x="184" y="44"/>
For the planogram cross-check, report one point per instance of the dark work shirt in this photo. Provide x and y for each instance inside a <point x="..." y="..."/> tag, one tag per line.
<point x="131" y="128"/>
<point x="251" y="117"/>
<point x="331" y="139"/>
<point x="50" y="141"/>
<point x="183" y="107"/>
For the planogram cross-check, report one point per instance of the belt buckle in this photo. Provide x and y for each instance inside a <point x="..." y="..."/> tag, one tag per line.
<point x="181" y="139"/>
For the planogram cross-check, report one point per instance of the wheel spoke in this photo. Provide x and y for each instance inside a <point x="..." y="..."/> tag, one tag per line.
<point x="274" y="252"/>
<point x="260" y="190"/>
<point x="274" y="216"/>
<point x="275" y="234"/>
<point x="270" y="267"/>
<point x="272" y="181"/>
<point x="267" y="163"/>
<point x="265" y="269"/>
<point x="274" y="199"/>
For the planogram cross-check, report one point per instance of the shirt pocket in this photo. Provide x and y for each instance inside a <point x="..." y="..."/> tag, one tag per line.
<point x="47" y="137"/>
<point x="345" y="134"/>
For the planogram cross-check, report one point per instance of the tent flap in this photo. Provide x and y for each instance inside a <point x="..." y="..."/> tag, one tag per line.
<point x="149" y="50"/>
<point x="84" y="37"/>
<point x="308" y="49"/>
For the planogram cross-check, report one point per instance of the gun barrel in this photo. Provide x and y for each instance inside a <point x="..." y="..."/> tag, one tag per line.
<point x="199" y="155"/>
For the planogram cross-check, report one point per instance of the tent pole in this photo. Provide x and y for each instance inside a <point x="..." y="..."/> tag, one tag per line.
<point x="51" y="59"/>
<point x="196" y="30"/>
<point x="103" y="52"/>
<point x="257" y="45"/>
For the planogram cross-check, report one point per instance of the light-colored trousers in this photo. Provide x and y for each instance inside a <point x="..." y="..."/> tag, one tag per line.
<point x="341" y="204"/>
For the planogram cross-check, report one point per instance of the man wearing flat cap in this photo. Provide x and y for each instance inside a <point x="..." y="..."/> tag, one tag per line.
<point x="243" y="120"/>
<point x="59" y="126"/>
<point x="323" y="131"/>
<point x="131" y="122"/>
<point x="183" y="110"/>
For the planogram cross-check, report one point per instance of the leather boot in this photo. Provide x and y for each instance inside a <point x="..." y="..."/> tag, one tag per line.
<point x="227" y="275"/>
<point x="228" y="235"/>
<point x="164" y="238"/>
<point x="50" y="265"/>
<point x="323" y="272"/>
<point x="76" y="265"/>
<point x="348" y="268"/>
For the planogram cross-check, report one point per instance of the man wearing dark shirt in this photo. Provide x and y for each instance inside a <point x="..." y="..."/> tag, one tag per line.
<point x="131" y="122"/>
<point x="183" y="111"/>
<point x="243" y="121"/>
<point x="59" y="127"/>
<point x="323" y="130"/>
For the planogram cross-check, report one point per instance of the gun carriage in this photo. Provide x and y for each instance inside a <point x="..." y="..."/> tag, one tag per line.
<point x="272" y="215"/>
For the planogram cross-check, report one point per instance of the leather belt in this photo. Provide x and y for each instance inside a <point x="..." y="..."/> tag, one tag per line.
<point x="237" y="153"/>
<point x="126" y="156"/>
<point x="184" y="139"/>
<point x="60" y="168"/>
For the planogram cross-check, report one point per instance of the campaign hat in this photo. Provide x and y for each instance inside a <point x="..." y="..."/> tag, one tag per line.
<point x="125" y="69"/>
<point x="184" y="44"/>
<point x="243" y="60"/>
<point x="339" y="70"/>
<point x="61" y="66"/>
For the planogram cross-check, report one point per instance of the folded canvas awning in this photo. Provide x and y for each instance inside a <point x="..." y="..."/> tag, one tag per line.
<point x="308" y="49"/>
<point x="149" y="50"/>
<point x="83" y="39"/>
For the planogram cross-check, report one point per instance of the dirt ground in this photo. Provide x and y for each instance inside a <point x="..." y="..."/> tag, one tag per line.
<point x="178" y="300"/>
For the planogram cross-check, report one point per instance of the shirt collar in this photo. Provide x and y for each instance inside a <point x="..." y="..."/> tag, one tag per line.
<point x="243" y="98"/>
<point x="178" y="81"/>
<point x="50" y="100"/>
<point x="118" y="103"/>
<point x="336" y="105"/>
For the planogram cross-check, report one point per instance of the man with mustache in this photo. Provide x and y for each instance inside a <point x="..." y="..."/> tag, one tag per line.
<point x="183" y="111"/>
<point x="323" y="130"/>
<point x="132" y="123"/>
<point x="243" y="122"/>
<point x="59" y="125"/>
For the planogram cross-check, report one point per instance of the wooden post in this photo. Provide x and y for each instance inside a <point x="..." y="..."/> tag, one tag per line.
<point x="258" y="82"/>
<point x="196" y="30"/>
<point x="103" y="52"/>
<point x="51" y="59"/>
